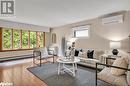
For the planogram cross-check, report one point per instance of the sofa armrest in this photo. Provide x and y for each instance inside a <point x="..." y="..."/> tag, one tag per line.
<point x="112" y="66"/>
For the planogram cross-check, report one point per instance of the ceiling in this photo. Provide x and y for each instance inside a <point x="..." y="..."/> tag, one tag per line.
<point x="53" y="13"/>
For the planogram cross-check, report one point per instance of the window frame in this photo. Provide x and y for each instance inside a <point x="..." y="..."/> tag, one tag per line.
<point x="12" y="37"/>
<point x="81" y="28"/>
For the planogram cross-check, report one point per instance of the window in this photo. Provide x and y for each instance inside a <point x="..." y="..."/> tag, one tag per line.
<point x="40" y="37"/>
<point x="16" y="39"/>
<point x="33" y="40"/>
<point x="25" y="39"/>
<point x="21" y="39"/>
<point x="81" y="31"/>
<point x="7" y="35"/>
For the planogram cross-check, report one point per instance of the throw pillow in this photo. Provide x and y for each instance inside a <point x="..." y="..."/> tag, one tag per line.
<point x="80" y="54"/>
<point x="128" y="75"/>
<point x="90" y="54"/>
<point x="76" y="52"/>
<point x="120" y="62"/>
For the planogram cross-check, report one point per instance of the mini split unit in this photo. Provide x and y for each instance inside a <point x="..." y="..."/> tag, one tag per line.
<point x="112" y="20"/>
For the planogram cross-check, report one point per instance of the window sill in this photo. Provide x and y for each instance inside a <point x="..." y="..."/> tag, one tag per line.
<point x="15" y="50"/>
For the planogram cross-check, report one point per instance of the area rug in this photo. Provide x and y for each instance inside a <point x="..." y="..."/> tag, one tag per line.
<point x="48" y="74"/>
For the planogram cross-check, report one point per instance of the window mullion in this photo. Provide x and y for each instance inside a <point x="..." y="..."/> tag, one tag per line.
<point x="12" y="39"/>
<point x="21" y="39"/>
<point x="44" y="39"/>
<point x="29" y="39"/>
<point x="1" y="38"/>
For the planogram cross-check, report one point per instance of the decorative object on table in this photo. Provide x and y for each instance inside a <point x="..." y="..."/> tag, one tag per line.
<point x="115" y="45"/>
<point x="72" y="52"/>
<point x="90" y="54"/>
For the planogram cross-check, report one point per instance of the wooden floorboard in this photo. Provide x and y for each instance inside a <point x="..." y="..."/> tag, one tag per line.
<point x="15" y="72"/>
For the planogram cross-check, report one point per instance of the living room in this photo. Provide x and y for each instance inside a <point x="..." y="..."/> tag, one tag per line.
<point x="68" y="43"/>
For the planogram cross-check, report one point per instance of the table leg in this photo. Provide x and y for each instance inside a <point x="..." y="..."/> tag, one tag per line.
<point x="73" y="69"/>
<point x="59" y="69"/>
<point x="63" y="65"/>
<point x="76" y="66"/>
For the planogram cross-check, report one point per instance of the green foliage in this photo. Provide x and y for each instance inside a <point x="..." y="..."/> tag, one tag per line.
<point x="24" y="39"/>
<point x="16" y="39"/>
<point x="41" y="39"/>
<point x="33" y="39"/>
<point x="7" y="39"/>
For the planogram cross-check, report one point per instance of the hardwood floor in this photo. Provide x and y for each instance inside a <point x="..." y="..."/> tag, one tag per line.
<point x="15" y="72"/>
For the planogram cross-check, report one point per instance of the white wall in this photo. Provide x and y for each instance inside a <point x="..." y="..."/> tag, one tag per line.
<point x="100" y="35"/>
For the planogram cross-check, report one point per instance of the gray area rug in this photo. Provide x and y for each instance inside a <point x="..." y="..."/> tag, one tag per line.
<point x="48" y="74"/>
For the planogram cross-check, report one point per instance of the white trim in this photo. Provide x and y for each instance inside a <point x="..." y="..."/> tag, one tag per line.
<point x="23" y="26"/>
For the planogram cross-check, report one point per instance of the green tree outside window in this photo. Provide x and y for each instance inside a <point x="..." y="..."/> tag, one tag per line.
<point x="25" y="39"/>
<point x="33" y="39"/>
<point x="7" y="39"/>
<point x="41" y="39"/>
<point x="16" y="39"/>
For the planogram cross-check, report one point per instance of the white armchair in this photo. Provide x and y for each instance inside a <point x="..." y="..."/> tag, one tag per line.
<point x="116" y="74"/>
<point x="42" y="54"/>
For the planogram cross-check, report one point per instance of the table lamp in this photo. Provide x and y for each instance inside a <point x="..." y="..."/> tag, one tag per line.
<point x="115" y="45"/>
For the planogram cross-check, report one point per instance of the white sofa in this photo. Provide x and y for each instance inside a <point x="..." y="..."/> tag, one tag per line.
<point x="98" y="56"/>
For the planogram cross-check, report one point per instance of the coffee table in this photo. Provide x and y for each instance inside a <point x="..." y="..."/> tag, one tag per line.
<point x="62" y="65"/>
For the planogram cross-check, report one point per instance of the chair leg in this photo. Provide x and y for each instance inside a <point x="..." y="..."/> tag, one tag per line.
<point x="40" y="61"/>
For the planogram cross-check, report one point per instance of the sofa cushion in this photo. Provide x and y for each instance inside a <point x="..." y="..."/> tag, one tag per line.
<point x="119" y="62"/>
<point x="106" y="76"/>
<point x="90" y="54"/>
<point x="128" y="75"/>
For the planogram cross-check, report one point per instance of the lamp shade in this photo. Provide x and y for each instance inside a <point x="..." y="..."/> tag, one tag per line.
<point x="115" y="44"/>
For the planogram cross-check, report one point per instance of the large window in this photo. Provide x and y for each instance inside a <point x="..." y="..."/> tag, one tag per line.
<point x="81" y="31"/>
<point x="21" y="39"/>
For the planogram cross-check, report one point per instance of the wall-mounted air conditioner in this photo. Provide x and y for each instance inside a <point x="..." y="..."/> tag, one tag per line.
<point x="112" y="19"/>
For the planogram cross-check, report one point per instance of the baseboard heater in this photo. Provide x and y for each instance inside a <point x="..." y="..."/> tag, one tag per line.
<point x="16" y="57"/>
